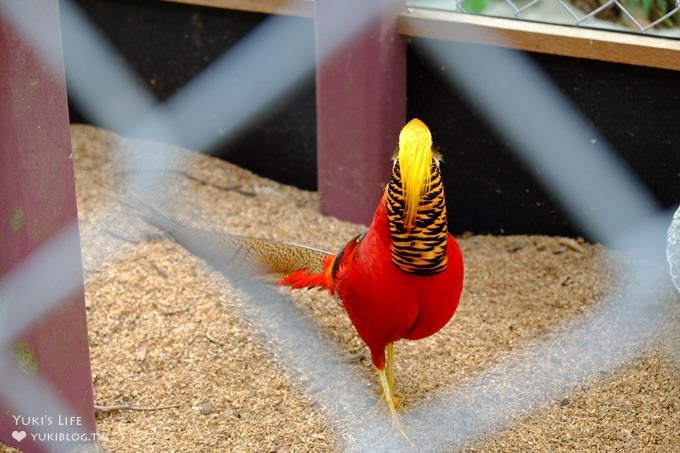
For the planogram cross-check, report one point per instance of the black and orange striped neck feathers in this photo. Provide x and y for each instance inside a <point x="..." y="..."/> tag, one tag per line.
<point x="416" y="206"/>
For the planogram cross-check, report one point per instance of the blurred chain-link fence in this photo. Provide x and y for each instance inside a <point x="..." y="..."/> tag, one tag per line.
<point x="641" y="16"/>
<point x="555" y="147"/>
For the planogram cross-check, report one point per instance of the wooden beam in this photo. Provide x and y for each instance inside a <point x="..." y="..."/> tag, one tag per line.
<point x="361" y="106"/>
<point x="303" y="8"/>
<point x="580" y="42"/>
<point x="37" y="201"/>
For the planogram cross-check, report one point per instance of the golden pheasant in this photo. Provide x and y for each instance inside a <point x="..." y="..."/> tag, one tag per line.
<point x="401" y="279"/>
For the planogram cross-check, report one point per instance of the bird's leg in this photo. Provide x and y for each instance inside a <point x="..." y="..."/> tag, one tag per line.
<point x="389" y="372"/>
<point x="389" y="397"/>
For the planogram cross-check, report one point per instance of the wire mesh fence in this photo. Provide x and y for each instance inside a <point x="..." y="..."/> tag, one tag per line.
<point x="553" y="144"/>
<point x="646" y="17"/>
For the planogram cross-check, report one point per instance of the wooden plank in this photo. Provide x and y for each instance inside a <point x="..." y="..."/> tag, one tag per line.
<point x="580" y="42"/>
<point x="303" y="8"/>
<point x="361" y="106"/>
<point x="37" y="200"/>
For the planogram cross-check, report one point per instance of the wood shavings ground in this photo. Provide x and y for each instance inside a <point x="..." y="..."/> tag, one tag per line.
<point x="167" y="332"/>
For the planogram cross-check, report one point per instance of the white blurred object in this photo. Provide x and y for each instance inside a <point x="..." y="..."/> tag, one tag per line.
<point x="673" y="249"/>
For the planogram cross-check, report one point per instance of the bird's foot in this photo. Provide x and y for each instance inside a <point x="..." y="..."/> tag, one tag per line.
<point x="396" y="400"/>
<point x="392" y="404"/>
<point x="398" y="427"/>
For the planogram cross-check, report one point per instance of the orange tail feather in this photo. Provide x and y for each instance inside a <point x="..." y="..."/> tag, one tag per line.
<point x="304" y="279"/>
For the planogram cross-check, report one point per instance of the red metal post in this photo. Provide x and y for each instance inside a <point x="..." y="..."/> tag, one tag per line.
<point x="361" y="104"/>
<point x="37" y="200"/>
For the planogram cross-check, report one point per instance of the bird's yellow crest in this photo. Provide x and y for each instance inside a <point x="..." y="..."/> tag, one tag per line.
<point x="415" y="160"/>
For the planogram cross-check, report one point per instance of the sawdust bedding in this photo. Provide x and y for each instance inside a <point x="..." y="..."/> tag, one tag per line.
<point x="181" y="363"/>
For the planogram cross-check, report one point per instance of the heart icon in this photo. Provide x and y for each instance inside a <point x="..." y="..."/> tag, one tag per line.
<point x="19" y="435"/>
